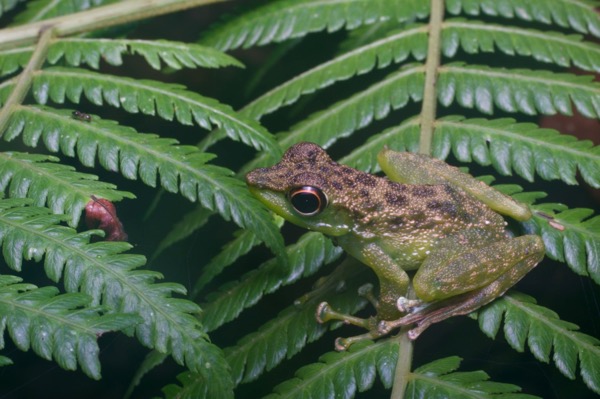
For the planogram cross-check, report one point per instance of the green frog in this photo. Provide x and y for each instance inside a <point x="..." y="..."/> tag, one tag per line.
<point x="426" y="218"/>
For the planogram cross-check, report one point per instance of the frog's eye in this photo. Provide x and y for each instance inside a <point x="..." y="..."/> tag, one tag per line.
<point x="307" y="200"/>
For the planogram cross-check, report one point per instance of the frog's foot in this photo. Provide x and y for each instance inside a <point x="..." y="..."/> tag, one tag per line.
<point x="341" y="344"/>
<point x="406" y="305"/>
<point x="325" y="313"/>
<point x="436" y="312"/>
<point x="366" y="291"/>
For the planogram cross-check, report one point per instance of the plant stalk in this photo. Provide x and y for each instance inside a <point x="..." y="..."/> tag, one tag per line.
<point x="25" y="78"/>
<point x="428" y="111"/>
<point x="405" y="355"/>
<point x="97" y="18"/>
<point x="403" y="365"/>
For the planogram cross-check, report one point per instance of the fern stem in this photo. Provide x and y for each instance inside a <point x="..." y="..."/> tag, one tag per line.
<point x="405" y="355"/>
<point x="403" y="365"/>
<point x="428" y="111"/>
<point x="97" y="18"/>
<point x="23" y="84"/>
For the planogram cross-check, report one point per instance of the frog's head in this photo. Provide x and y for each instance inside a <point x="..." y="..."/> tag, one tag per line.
<point x="303" y="189"/>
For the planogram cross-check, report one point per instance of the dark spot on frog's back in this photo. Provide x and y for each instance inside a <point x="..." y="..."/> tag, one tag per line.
<point x="366" y="179"/>
<point x="446" y="207"/>
<point x="337" y="185"/>
<point x="395" y="198"/>
<point x="423" y="191"/>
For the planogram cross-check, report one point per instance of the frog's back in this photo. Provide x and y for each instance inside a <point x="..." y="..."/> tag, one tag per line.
<point x="387" y="208"/>
<point x="375" y="206"/>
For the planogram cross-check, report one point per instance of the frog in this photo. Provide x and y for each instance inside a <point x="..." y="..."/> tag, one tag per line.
<point x="435" y="237"/>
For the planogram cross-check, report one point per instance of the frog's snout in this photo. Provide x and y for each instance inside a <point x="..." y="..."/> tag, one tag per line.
<point x="256" y="177"/>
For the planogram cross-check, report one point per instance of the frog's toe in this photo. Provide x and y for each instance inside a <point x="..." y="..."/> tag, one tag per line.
<point x="342" y="344"/>
<point x="366" y="291"/>
<point x="406" y="305"/>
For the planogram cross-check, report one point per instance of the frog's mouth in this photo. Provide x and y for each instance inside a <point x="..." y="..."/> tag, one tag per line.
<point x="271" y="199"/>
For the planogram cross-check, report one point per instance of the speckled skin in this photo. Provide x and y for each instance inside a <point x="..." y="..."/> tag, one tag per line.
<point x="457" y="243"/>
<point x="406" y="216"/>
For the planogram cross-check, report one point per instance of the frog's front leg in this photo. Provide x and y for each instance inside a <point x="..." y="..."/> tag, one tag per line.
<point x="457" y="280"/>
<point x="393" y="284"/>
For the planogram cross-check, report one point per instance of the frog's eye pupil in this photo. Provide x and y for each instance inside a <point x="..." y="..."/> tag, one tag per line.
<point x="307" y="200"/>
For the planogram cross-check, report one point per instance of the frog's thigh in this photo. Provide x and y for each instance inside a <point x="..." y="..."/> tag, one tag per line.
<point x="454" y="269"/>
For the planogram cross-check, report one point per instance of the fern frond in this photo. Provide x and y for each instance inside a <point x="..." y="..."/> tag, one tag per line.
<point x="244" y="241"/>
<point x="285" y="335"/>
<point x="342" y="374"/>
<point x="152" y="360"/>
<point x="521" y="147"/>
<point x="345" y="117"/>
<point x="166" y="100"/>
<point x="306" y="256"/>
<point x="7" y="5"/>
<point x="290" y="19"/>
<point x="47" y="182"/>
<point x="102" y="271"/>
<point x="551" y="47"/>
<point x="39" y="10"/>
<point x="395" y="47"/>
<point x="79" y="51"/>
<point x="5" y="361"/>
<point x="188" y="224"/>
<point x="374" y="103"/>
<point x="572" y="236"/>
<point x="62" y="327"/>
<point x="438" y="380"/>
<point x="180" y="169"/>
<point x="518" y="90"/>
<point x="402" y="137"/>
<point x="579" y="15"/>
<point x="544" y="332"/>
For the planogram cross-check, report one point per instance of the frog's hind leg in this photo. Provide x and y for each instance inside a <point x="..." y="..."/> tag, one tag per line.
<point x="501" y="265"/>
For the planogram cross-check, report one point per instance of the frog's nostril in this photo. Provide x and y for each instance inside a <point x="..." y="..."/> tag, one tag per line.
<point x="258" y="177"/>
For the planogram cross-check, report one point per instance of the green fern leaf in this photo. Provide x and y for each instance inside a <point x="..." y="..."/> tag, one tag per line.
<point x="342" y="374"/>
<point x="570" y="236"/>
<point x="60" y="327"/>
<point x="305" y="257"/>
<point x="102" y="271"/>
<point x="394" y="47"/>
<point x="5" y="361"/>
<point x="179" y="168"/>
<point x="189" y="223"/>
<point x="541" y="328"/>
<point x="437" y="380"/>
<point x="168" y="101"/>
<point x="512" y="90"/>
<point x="150" y="362"/>
<point x="359" y="110"/>
<point x="551" y="47"/>
<point x="579" y="15"/>
<point x="7" y="5"/>
<point x="58" y="186"/>
<point x="40" y="10"/>
<point x="244" y="241"/>
<point x="345" y="117"/>
<point x="521" y="147"/>
<point x="402" y="137"/>
<point x="289" y="19"/>
<point x="285" y="335"/>
<point x="79" y="51"/>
